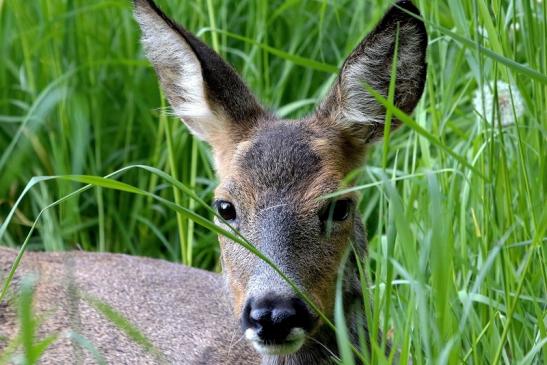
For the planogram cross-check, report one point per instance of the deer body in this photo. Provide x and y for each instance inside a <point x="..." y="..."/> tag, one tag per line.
<point x="272" y="175"/>
<point x="184" y="312"/>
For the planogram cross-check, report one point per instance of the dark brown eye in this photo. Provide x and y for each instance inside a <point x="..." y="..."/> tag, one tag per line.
<point x="337" y="211"/>
<point x="226" y="210"/>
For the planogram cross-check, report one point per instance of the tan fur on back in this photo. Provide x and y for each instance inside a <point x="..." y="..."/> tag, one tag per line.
<point x="184" y="312"/>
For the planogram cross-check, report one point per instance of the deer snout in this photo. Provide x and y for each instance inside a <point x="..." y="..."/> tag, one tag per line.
<point x="276" y="324"/>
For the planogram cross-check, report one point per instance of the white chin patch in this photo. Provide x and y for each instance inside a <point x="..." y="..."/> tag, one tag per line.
<point x="293" y="343"/>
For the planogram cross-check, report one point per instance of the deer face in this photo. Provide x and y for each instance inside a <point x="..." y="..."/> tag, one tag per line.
<point x="273" y="173"/>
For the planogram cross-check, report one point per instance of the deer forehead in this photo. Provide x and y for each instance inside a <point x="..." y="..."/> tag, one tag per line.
<point x="289" y="161"/>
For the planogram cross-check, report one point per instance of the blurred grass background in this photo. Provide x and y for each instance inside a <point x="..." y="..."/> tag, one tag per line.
<point x="456" y="255"/>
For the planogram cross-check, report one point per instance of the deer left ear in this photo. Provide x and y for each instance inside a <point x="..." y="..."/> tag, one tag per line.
<point x="203" y="90"/>
<point x="349" y="104"/>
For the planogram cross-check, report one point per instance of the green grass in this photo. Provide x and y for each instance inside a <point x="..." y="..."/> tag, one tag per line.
<point x="454" y="205"/>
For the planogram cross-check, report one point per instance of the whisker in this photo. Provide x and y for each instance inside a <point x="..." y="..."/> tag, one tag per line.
<point x="325" y="347"/>
<point x="232" y="343"/>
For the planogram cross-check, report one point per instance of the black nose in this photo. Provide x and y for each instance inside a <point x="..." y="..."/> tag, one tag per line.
<point x="273" y="317"/>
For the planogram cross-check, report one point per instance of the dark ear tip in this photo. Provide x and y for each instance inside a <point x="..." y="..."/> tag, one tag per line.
<point x="404" y="10"/>
<point x="408" y="6"/>
<point x="149" y="8"/>
<point x="139" y="3"/>
<point x="143" y="4"/>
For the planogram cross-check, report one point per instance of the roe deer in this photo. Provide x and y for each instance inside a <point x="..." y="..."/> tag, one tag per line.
<point x="272" y="174"/>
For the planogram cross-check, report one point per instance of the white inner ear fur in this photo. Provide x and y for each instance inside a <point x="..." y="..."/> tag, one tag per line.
<point x="179" y="72"/>
<point x="360" y="106"/>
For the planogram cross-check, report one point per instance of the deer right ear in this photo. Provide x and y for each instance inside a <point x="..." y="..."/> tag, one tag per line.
<point x="349" y="104"/>
<point x="203" y="90"/>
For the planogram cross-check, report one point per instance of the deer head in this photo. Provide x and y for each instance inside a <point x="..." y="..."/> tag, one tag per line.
<point x="273" y="172"/>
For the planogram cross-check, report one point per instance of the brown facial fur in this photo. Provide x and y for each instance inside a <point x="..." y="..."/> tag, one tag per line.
<point x="262" y="178"/>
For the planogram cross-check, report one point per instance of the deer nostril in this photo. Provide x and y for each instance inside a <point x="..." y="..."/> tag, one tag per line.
<point x="273" y="318"/>
<point x="283" y="315"/>
<point x="260" y="315"/>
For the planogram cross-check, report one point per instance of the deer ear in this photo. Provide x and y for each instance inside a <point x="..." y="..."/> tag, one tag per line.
<point x="203" y="90"/>
<point x="349" y="104"/>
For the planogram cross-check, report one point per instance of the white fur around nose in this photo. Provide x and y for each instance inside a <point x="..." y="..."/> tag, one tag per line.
<point x="295" y="340"/>
<point x="179" y="70"/>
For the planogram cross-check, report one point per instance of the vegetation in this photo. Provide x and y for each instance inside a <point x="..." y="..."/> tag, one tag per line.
<point x="454" y="202"/>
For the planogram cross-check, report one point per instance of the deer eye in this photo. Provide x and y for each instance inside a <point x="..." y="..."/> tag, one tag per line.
<point x="337" y="211"/>
<point x="226" y="210"/>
